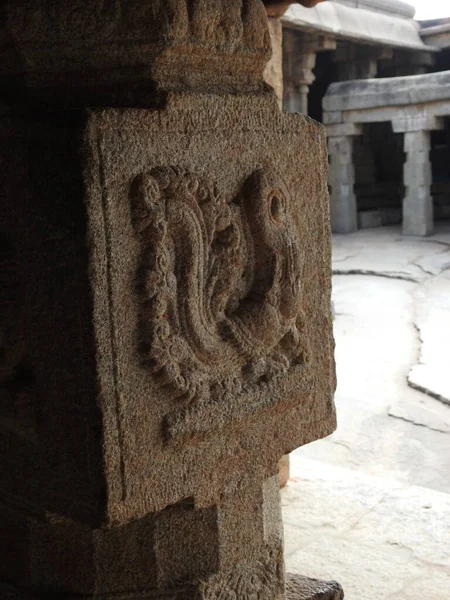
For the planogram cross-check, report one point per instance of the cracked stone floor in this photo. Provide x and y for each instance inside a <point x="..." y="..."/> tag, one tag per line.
<point x="370" y="505"/>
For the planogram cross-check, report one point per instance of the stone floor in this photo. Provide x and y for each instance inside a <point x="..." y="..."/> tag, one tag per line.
<point x="370" y="505"/>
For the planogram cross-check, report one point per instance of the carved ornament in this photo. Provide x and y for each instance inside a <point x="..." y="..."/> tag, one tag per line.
<point x="219" y="284"/>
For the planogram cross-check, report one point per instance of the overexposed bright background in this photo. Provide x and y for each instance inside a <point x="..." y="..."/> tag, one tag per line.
<point x="431" y="9"/>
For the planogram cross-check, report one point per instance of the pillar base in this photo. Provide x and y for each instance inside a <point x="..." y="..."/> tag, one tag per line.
<point x="297" y="588"/>
<point x="304" y="588"/>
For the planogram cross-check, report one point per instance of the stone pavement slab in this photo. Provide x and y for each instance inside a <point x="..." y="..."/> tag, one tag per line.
<point x="384" y="252"/>
<point x="431" y="373"/>
<point x="369" y="506"/>
<point x="380" y="539"/>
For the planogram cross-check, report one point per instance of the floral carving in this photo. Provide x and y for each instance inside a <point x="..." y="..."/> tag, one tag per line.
<point x="219" y="283"/>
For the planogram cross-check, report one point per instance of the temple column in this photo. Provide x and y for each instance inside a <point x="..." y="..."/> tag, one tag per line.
<point x="417" y="177"/>
<point x="341" y="177"/>
<point x="300" y="53"/>
<point x="417" y="173"/>
<point x="165" y="282"/>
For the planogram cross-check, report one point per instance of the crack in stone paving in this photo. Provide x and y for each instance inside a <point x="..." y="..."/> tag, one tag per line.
<point x="390" y="414"/>
<point x="422" y="561"/>
<point x="340" y="260"/>
<point x="393" y="275"/>
<point x="430" y="393"/>
<point x="430" y="273"/>
<point x="371" y="509"/>
<point x="410" y="278"/>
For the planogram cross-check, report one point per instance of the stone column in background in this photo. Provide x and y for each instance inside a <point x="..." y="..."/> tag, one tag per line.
<point x="417" y="173"/>
<point x="300" y="53"/>
<point x="418" y="203"/>
<point x="165" y="321"/>
<point x="341" y="177"/>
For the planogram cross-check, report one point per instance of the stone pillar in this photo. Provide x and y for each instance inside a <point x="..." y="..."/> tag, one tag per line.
<point x="417" y="173"/>
<point x="417" y="177"/>
<point x="165" y="271"/>
<point x="354" y="61"/>
<point x="300" y="52"/>
<point x="341" y="177"/>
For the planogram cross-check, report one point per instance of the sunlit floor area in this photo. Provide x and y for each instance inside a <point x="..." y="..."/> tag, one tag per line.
<point x="370" y="505"/>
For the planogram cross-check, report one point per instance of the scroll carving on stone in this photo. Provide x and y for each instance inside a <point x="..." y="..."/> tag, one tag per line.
<point x="219" y="284"/>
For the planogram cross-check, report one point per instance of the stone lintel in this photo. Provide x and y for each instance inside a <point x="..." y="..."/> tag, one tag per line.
<point x="391" y="113"/>
<point x="422" y="123"/>
<point x="346" y="52"/>
<point x="395" y="91"/>
<point x="332" y="117"/>
<point x="343" y="129"/>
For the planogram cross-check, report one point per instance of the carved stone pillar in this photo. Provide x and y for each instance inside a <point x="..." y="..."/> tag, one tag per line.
<point x="341" y="179"/>
<point x="300" y="53"/>
<point x="165" y="321"/>
<point x="417" y="173"/>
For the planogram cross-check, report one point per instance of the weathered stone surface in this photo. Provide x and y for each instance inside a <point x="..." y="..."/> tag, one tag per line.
<point x="276" y="8"/>
<point x="429" y="375"/>
<point x="342" y="180"/>
<point x="415" y="105"/>
<point x="230" y="297"/>
<point x="172" y="338"/>
<point x="369" y="21"/>
<point x="304" y="588"/>
<point x="390" y="538"/>
<point x="119" y="53"/>
<point x="437" y="36"/>
<point x="273" y="73"/>
<point x="418" y="203"/>
<point x="264" y="369"/>
<point x="397" y="91"/>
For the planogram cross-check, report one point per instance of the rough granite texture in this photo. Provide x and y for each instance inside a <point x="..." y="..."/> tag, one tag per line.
<point x="165" y="321"/>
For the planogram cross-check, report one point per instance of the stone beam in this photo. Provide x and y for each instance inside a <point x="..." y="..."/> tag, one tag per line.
<point x="417" y="123"/>
<point x="356" y="61"/>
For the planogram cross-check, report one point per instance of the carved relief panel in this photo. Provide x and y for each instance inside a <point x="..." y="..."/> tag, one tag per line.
<point x="219" y="284"/>
<point x="211" y="278"/>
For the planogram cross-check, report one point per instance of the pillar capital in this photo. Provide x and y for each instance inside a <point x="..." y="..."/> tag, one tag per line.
<point x="125" y="53"/>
